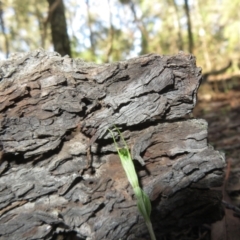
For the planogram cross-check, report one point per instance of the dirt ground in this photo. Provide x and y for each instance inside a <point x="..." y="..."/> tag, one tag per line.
<point x="221" y="109"/>
<point x="222" y="112"/>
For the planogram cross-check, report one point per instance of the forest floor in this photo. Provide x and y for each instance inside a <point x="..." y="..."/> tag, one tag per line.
<point x="222" y="112"/>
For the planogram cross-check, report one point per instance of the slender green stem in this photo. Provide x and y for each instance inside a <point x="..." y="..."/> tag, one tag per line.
<point x="150" y="230"/>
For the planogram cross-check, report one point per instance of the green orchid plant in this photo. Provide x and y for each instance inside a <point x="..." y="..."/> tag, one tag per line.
<point x="143" y="201"/>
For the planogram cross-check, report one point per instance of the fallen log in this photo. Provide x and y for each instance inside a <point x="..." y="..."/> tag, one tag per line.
<point x="59" y="170"/>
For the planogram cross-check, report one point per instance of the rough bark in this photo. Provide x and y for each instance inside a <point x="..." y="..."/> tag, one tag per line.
<point x="52" y="109"/>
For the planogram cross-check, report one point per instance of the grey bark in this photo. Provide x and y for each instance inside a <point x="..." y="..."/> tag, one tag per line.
<point x="53" y="108"/>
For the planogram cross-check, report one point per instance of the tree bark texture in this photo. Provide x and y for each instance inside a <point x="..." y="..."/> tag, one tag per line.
<point x="60" y="172"/>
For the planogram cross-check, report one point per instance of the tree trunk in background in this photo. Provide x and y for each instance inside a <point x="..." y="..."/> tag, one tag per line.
<point x="142" y="29"/>
<point x="2" y="24"/>
<point x="57" y="20"/>
<point x="91" y="34"/>
<point x="109" y="48"/>
<point x="53" y="108"/>
<point x="203" y="36"/>
<point x="189" y="26"/>
<point x="42" y="23"/>
<point x="179" y="31"/>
